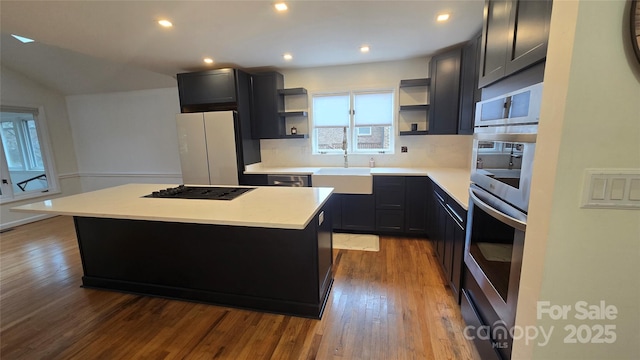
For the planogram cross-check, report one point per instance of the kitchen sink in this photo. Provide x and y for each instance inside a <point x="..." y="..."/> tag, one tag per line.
<point x="344" y="180"/>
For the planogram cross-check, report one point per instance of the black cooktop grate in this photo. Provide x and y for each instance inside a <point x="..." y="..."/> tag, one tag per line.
<point x="199" y="192"/>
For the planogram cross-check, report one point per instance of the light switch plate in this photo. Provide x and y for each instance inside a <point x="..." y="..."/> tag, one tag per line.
<point x="611" y="188"/>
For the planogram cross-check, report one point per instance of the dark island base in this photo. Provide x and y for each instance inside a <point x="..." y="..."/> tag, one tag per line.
<point x="275" y="270"/>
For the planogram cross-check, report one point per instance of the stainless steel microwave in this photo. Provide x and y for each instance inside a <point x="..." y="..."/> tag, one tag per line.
<point x="520" y="107"/>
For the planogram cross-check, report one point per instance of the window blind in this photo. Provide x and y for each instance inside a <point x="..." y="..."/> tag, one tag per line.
<point x="373" y="109"/>
<point x="331" y="110"/>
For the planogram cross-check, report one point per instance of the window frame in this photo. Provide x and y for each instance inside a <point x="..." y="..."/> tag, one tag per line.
<point x="353" y="130"/>
<point x="49" y="168"/>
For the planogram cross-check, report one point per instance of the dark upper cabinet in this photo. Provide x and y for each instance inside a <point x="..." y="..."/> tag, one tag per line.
<point x="208" y="90"/>
<point x="445" y="92"/>
<point x="514" y="36"/>
<point x="494" y="46"/>
<point x="528" y="33"/>
<point x="266" y="123"/>
<point x="469" y="91"/>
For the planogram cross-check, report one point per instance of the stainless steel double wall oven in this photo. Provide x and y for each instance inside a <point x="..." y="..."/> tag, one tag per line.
<point x="503" y="151"/>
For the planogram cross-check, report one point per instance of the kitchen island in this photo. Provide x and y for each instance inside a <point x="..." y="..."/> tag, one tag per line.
<point x="269" y="249"/>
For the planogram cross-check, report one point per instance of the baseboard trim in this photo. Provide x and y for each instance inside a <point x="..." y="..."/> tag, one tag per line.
<point x="140" y="175"/>
<point x="30" y="219"/>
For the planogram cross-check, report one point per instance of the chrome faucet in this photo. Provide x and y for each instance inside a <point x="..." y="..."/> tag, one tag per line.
<point x="511" y="157"/>
<point x="344" y="146"/>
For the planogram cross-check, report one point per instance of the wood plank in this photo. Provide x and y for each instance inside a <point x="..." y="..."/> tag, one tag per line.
<point x="391" y="304"/>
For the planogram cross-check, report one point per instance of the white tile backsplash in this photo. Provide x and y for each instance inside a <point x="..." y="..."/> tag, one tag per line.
<point x="449" y="151"/>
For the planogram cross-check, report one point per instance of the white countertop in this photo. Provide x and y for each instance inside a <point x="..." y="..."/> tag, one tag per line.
<point x="270" y="207"/>
<point x="454" y="181"/>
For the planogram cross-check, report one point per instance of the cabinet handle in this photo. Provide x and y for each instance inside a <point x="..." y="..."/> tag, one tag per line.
<point x="454" y="214"/>
<point x="439" y="197"/>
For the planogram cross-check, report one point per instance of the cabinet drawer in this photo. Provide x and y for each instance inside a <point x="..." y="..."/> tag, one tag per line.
<point x="388" y="181"/>
<point x="390" y="198"/>
<point x="390" y="220"/>
<point x="472" y="318"/>
<point x="389" y="192"/>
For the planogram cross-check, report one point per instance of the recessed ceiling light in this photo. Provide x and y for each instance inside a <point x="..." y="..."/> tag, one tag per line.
<point x="287" y="56"/>
<point x="364" y="48"/>
<point x="281" y="6"/>
<point x="22" y="39"/>
<point x="443" y="17"/>
<point x="165" y="23"/>
<point x="208" y="60"/>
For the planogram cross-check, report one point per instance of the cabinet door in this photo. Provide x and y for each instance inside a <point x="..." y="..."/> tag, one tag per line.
<point x="458" y="238"/>
<point x="335" y="203"/>
<point x="358" y="212"/>
<point x="469" y="92"/>
<point x="416" y="211"/>
<point x="528" y="33"/>
<point x="445" y="92"/>
<point x="389" y="192"/>
<point x="198" y="89"/>
<point x="266" y="124"/>
<point x="390" y="220"/>
<point x="494" y="45"/>
<point x="440" y="230"/>
<point x="455" y="239"/>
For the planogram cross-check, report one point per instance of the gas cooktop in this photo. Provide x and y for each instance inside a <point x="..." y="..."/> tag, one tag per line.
<point x="199" y="192"/>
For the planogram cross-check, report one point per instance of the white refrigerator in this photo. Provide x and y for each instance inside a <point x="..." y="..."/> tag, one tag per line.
<point x="207" y="144"/>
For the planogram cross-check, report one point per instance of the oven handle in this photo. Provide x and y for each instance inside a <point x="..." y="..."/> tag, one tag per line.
<point x="497" y="214"/>
<point x="508" y="137"/>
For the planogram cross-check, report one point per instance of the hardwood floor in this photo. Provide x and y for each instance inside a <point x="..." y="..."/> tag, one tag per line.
<point x="390" y="304"/>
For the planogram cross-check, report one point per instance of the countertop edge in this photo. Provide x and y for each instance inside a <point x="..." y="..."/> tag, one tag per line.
<point x="40" y="208"/>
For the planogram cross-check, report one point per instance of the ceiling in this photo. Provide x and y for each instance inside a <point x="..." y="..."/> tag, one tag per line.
<point x="86" y="47"/>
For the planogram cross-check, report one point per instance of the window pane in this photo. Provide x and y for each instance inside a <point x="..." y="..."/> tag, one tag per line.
<point x="23" y="152"/>
<point x="330" y="138"/>
<point x="11" y="145"/>
<point x="33" y="145"/>
<point x="331" y="110"/>
<point x="373" y="109"/>
<point x="379" y="139"/>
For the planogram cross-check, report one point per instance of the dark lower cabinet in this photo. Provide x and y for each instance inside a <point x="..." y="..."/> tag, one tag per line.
<point x="390" y="221"/>
<point x="354" y="212"/>
<point x="390" y="203"/>
<point x="401" y="204"/>
<point x="253" y="180"/>
<point x="416" y="198"/>
<point x="447" y="230"/>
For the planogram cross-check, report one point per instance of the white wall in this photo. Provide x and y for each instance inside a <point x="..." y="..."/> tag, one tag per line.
<point x="432" y="150"/>
<point x="126" y="137"/>
<point x="590" y="118"/>
<point x="18" y="90"/>
<point x="131" y="136"/>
